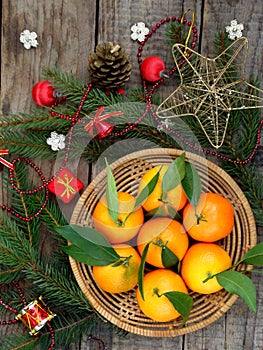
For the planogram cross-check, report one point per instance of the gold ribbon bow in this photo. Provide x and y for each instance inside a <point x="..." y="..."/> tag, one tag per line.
<point x="68" y="188"/>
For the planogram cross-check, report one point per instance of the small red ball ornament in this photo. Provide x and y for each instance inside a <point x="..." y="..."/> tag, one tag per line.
<point x="153" y="68"/>
<point x="44" y="94"/>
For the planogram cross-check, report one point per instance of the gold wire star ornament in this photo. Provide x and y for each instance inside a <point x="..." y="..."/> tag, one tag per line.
<point x="211" y="88"/>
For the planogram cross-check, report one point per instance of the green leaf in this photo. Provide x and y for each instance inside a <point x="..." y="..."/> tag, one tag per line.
<point x="192" y="184"/>
<point x="254" y="256"/>
<point x="161" y="211"/>
<point x="118" y="263"/>
<point x="87" y="233"/>
<point x="141" y="269"/>
<point x="90" y="241"/>
<point x="156" y="211"/>
<point x="174" y="174"/>
<point x="147" y="190"/>
<point x="112" y="194"/>
<point x="168" y="257"/>
<point x="79" y="255"/>
<point x="173" y="213"/>
<point x="182" y="302"/>
<point x="237" y="283"/>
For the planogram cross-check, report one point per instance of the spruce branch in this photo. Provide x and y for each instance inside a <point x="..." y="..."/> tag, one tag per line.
<point x="24" y="207"/>
<point x="7" y="275"/>
<point x="248" y="177"/>
<point x="34" y="121"/>
<point x="21" y="203"/>
<point x="73" y="89"/>
<point x="51" y="215"/>
<point x="19" y="340"/>
<point x="57" y="284"/>
<point x="221" y="42"/>
<point x="50" y="278"/>
<point x="64" y="82"/>
<point x="16" y="253"/>
<point x="176" y="33"/>
<point x="30" y="145"/>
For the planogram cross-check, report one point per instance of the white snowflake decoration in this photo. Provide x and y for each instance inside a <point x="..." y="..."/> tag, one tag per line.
<point x="139" y="31"/>
<point x="234" y="30"/>
<point x="56" y="141"/>
<point x="28" y="39"/>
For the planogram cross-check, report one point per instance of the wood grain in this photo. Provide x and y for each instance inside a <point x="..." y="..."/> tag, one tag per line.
<point x="67" y="32"/>
<point x="218" y="14"/>
<point x="126" y="13"/>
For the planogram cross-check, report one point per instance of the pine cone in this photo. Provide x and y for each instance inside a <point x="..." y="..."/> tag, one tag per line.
<point x="109" y="66"/>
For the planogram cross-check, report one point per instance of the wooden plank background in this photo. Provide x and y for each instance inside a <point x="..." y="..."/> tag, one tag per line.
<point x="67" y="33"/>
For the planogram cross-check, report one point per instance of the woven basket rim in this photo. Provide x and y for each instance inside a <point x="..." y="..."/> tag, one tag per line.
<point x="151" y="329"/>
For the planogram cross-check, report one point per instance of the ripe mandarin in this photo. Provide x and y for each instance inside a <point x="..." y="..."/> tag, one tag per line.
<point x="125" y="228"/>
<point x="120" y="278"/>
<point x="211" y="220"/>
<point x="175" y="198"/>
<point x="203" y="260"/>
<point x="162" y="231"/>
<point x="155" y="305"/>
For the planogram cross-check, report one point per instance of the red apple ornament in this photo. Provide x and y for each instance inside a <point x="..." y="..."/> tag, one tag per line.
<point x="153" y="68"/>
<point x="44" y="94"/>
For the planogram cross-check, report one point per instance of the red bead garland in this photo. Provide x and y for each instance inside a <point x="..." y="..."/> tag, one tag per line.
<point x="44" y="186"/>
<point x="27" y="192"/>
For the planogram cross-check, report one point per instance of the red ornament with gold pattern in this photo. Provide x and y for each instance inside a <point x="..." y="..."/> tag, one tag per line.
<point x="65" y="186"/>
<point x="35" y="315"/>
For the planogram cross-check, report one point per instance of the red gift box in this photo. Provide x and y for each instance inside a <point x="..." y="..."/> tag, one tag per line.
<point x="65" y="186"/>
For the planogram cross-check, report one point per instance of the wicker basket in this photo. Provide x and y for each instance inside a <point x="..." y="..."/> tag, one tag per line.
<point x="122" y="309"/>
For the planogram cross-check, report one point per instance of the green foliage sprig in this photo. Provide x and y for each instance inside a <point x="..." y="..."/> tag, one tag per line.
<point x="236" y="282"/>
<point x="23" y="259"/>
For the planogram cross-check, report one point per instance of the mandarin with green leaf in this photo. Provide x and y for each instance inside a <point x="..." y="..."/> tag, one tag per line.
<point x="154" y="303"/>
<point x="159" y="202"/>
<point x="122" y="275"/>
<point x="129" y="219"/>
<point x="162" y="233"/>
<point x="201" y="262"/>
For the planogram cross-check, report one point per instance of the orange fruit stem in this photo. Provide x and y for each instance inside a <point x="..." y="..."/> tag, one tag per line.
<point x="200" y="218"/>
<point x="159" y="243"/>
<point x="156" y="291"/>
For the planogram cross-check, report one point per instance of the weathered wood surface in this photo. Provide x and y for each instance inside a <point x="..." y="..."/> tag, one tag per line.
<point x="67" y="32"/>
